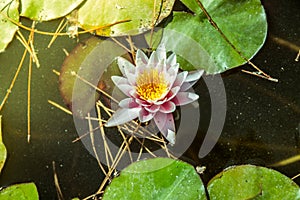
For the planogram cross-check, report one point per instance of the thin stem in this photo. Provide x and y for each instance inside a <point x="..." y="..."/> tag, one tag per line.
<point x="93" y="144"/>
<point x="60" y="107"/>
<point x="56" y="183"/>
<point x="14" y="80"/>
<point x="73" y="73"/>
<point x="120" y="44"/>
<point x="297" y="57"/>
<point x="63" y="34"/>
<point x="155" y="20"/>
<point x="107" y="151"/>
<point x="295" y="177"/>
<point x="260" y="76"/>
<point x="29" y="99"/>
<point x="60" y="27"/>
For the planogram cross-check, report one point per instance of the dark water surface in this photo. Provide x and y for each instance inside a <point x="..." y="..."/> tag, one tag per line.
<point x="262" y="123"/>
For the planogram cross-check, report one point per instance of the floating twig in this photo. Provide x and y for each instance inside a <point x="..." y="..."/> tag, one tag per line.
<point x="120" y="44"/>
<point x="295" y="176"/>
<point x="13" y="80"/>
<point x="29" y="99"/>
<point x="60" y="107"/>
<point x="56" y="72"/>
<point x="73" y="73"/>
<point x="297" y="57"/>
<point x="65" y="33"/>
<point x="285" y="43"/>
<point x="287" y="161"/>
<point x="261" y="76"/>
<point x="59" y="29"/>
<point x="93" y="144"/>
<point x="56" y="183"/>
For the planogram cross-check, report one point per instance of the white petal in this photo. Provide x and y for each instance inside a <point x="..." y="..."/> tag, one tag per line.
<point x="131" y="78"/>
<point x="173" y="70"/>
<point x="153" y="60"/>
<point x="122" y="84"/>
<point x="167" y="107"/>
<point x="140" y="69"/>
<point x="163" y="100"/>
<point x="172" y="74"/>
<point x="173" y="92"/>
<point x="160" y="66"/>
<point x="185" y="86"/>
<point x="165" y="124"/>
<point x="145" y="116"/>
<point x="183" y="98"/>
<point x="194" y="75"/>
<point x="141" y="58"/>
<point x="171" y="137"/>
<point x="181" y="77"/>
<point x="122" y="116"/>
<point x="126" y="89"/>
<point x="142" y="102"/>
<point x="128" y="103"/>
<point x="161" y="52"/>
<point x="153" y="108"/>
<point x="125" y="66"/>
<point x="191" y="79"/>
<point x="171" y="61"/>
<point x="118" y="80"/>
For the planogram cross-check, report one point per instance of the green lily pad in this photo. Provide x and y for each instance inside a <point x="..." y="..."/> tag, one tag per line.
<point x="98" y="13"/>
<point x="44" y="10"/>
<point x="252" y="182"/>
<point x="3" y="152"/>
<point x="22" y="191"/>
<point x="158" y="178"/>
<point x="194" y="38"/>
<point x="9" y="9"/>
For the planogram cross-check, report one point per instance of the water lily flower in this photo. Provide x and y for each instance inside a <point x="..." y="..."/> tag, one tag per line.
<point x="154" y="88"/>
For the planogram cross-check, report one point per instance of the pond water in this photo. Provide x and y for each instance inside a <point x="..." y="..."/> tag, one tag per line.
<point x="262" y="123"/>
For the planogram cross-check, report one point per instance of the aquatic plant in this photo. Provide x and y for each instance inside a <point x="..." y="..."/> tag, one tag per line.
<point x="154" y="88"/>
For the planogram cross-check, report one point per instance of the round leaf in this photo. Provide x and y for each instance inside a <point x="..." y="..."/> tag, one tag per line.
<point x="86" y="61"/>
<point x="9" y="9"/>
<point x="249" y="182"/>
<point x="142" y="15"/>
<point x="22" y="191"/>
<point x="44" y="10"/>
<point x="158" y="178"/>
<point x="242" y="22"/>
<point x="71" y="64"/>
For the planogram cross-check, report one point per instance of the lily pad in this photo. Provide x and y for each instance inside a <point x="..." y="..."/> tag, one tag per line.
<point x="143" y="15"/>
<point x="9" y="9"/>
<point x="71" y="64"/>
<point x="3" y="152"/>
<point x="22" y="191"/>
<point x="252" y="182"/>
<point x="44" y="10"/>
<point x="86" y="61"/>
<point x="242" y="22"/>
<point x="158" y="178"/>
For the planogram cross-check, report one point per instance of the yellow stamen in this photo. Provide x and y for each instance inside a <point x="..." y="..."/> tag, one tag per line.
<point x="151" y="85"/>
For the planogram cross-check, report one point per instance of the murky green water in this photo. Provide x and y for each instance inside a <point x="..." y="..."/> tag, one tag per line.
<point x="262" y="122"/>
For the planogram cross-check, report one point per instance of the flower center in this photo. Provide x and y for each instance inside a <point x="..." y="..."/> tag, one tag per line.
<point x="151" y="85"/>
